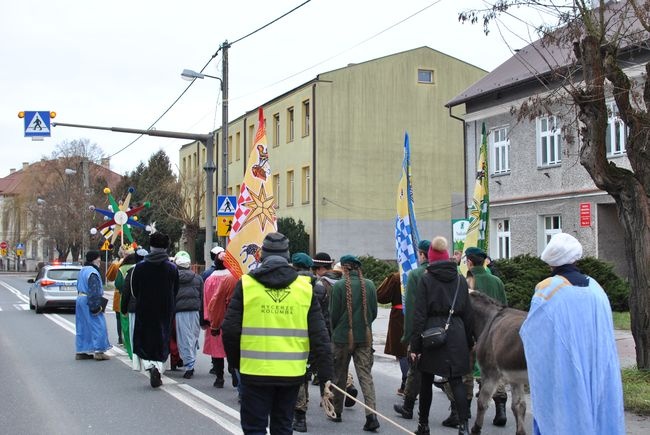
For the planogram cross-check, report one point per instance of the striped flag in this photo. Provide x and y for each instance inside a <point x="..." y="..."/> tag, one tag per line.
<point x="406" y="233"/>
<point x="255" y="213"/>
<point x="477" y="233"/>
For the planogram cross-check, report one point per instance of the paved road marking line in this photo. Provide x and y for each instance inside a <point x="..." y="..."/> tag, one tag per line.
<point x="201" y="407"/>
<point x="193" y="398"/>
<point x="23" y="307"/>
<point x="211" y="400"/>
<point x="15" y="291"/>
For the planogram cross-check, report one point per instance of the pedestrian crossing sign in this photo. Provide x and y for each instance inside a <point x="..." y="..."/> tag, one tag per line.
<point x="226" y="205"/>
<point x="37" y="124"/>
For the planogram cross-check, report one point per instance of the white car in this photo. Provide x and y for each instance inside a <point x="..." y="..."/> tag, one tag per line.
<point x="55" y="286"/>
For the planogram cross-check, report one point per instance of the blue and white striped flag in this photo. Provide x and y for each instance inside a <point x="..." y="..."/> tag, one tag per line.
<point x="406" y="233"/>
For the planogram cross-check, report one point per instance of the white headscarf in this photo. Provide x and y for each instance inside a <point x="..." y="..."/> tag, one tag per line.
<point x="562" y="249"/>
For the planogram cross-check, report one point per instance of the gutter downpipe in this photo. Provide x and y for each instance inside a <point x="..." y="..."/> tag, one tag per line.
<point x="313" y="165"/>
<point x="464" y="159"/>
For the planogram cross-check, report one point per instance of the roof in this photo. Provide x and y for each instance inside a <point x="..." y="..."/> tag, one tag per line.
<point x="13" y="184"/>
<point x="540" y="59"/>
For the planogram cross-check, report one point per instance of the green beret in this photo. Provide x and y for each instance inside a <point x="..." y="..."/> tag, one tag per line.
<point x="347" y="259"/>
<point x="300" y="259"/>
<point x="475" y="251"/>
<point x="424" y="245"/>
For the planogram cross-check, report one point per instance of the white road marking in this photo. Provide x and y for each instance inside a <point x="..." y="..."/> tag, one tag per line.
<point x="193" y="398"/>
<point x="15" y="291"/>
<point x="23" y="307"/>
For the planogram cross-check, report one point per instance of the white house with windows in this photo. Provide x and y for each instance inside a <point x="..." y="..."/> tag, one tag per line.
<point x="536" y="182"/>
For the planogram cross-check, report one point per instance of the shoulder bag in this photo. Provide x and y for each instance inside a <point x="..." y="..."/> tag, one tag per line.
<point x="436" y="336"/>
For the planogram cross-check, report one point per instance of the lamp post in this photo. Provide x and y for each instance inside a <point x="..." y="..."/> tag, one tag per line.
<point x="85" y="193"/>
<point x="188" y="74"/>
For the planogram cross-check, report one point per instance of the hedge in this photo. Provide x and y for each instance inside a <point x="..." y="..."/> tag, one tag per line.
<point x="522" y="273"/>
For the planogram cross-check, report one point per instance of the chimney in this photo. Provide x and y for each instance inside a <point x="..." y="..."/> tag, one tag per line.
<point x="25" y="165"/>
<point x="12" y="170"/>
<point x="106" y="162"/>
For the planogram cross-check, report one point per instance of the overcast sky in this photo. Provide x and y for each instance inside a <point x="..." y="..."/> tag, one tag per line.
<point x="118" y="63"/>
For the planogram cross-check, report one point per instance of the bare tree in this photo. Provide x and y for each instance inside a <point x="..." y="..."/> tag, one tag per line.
<point x="588" y="53"/>
<point x="59" y="195"/>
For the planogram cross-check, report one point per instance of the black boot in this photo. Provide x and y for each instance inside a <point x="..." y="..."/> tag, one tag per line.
<point x="372" y="424"/>
<point x="452" y="420"/>
<point x="218" y="382"/>
<point x="405" y="409"/>
<point x="213" y="370"/>
<point x="463" y="428"/>
<point x="299" y="421"/>
<point x="423" y="429"/>
<point x="352" y="391"/>
<point x="500" y="418"/>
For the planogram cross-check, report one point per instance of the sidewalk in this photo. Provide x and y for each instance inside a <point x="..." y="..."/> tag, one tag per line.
<point x="634" y="424"/>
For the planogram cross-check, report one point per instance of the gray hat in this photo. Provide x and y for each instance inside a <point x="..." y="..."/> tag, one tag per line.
<point x="275" y="244"/>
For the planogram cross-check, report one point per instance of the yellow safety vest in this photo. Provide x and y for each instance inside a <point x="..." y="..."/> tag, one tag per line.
<point x="274" y="339"/>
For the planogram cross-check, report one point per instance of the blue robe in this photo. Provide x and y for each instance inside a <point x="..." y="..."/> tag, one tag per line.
<point x="92" y="335"/>
<point x="573" y="366"/>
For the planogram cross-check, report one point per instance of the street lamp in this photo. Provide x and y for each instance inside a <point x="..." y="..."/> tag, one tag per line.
<point x="85" y="181"/>
<point x="209" y="167"/>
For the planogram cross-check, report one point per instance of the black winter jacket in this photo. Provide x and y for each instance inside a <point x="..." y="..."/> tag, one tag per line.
<point x="433" y="299"/>
<point x="190" y="292"/>
<point x="275" y="272"/>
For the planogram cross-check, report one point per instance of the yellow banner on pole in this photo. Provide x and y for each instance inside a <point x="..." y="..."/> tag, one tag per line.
<point x="255" y="213"/>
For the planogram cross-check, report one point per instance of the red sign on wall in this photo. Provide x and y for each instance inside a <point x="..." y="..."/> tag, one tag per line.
<point x="585" y="214"/>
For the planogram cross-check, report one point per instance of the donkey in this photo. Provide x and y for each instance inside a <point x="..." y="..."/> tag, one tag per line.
<point x="500" y="354"/>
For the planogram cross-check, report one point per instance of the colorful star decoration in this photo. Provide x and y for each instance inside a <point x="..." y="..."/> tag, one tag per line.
<point x="120" y="217"/>
<point x="261" y="208"/>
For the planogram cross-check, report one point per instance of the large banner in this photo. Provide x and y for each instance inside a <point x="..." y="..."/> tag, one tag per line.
<point x="406" y="233"/>
<point x="255" y="212"/>
<point x="479" y="210"/>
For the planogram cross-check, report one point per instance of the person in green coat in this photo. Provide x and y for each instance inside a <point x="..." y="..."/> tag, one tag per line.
<point x="353" y="308"/>
<point x="492" y="286"/>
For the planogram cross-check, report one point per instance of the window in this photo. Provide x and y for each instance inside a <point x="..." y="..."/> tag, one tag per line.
<point x="305" y="118"/>
<point x="229" y="149"/>
<point x="552" y="225"/>
<point x="251" y="138"/>
<point x="230" y="191"/>
<point x="276" y="129"/>
<point x="238" y="146"/>
<point x="500" y="151"/>
<point x="276" y="190"/>
<point x="616" y="132"/>
<point x="237" y="189"/>
<point x="306" y="185"/>
<point x="290" y="124"/>
<point x="503" y="238"/>
<point x="549" y="140"/>
<point x="290" y="186"/>
<point x="425" y="76"/>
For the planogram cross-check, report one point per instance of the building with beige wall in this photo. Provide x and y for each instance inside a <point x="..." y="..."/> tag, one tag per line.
<point x="336" y="147"/>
